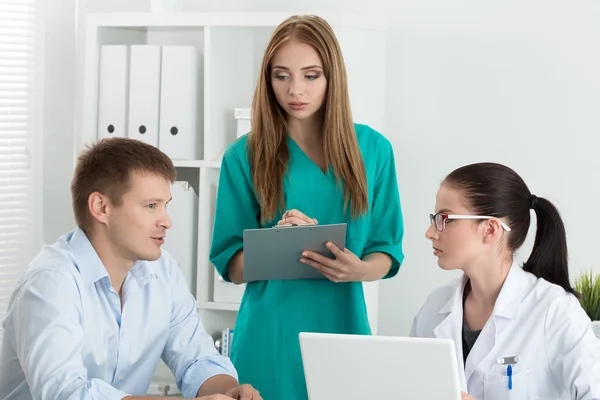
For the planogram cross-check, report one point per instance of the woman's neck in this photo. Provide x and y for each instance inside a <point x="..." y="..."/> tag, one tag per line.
<point x="487" y="282"/>
<point x="308" y="131"/>
<point x="485" y="285"/>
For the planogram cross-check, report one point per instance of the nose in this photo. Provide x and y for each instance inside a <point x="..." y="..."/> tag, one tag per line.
<point x="296" y="87"/>
<point x="432" y="233"/>
<point x="166" y="221"/>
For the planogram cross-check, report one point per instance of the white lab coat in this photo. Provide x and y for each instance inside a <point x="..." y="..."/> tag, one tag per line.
<point x="559" y="355"/>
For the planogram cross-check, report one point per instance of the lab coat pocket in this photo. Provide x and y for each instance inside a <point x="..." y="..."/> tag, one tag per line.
<point x="496" y="387"/>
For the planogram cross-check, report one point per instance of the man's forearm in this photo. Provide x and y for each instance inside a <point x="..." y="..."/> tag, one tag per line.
<point x="218" y="384"/>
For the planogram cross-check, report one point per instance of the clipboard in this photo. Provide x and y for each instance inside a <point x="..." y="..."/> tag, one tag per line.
<point x="274" y="253"/>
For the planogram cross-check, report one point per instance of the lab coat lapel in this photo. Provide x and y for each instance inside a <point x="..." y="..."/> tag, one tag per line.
<point x="505" y="309"/>
<point x="451" y="328"/>
<point x="482" y="347"/>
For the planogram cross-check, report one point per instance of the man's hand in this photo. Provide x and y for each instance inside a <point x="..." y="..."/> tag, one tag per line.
<point x="244" y="392"/>
<point x="228" y="385"/>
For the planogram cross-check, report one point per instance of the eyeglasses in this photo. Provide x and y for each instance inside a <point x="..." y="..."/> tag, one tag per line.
<point x="440" y="220"/>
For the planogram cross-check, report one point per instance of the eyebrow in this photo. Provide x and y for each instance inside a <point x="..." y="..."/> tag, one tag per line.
<point x="303" y="69"/>
<point x="445" y="211"/>
<point x="155" y="200"/>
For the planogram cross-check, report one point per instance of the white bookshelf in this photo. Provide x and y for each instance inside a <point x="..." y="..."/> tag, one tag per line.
<point x="211" y="305"/>
<point x="231" y="47"/>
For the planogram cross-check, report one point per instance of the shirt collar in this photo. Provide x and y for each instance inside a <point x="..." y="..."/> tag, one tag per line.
<point x="86" y="259"/>
<point x="91" y="267"/>
<point x="508" y="300"/>
<point x="510" y="297"/>
<point x="143" y="271"/>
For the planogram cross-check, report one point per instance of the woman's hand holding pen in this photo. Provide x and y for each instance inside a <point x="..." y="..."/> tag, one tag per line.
<point x="295" y="217"/>
<point x="346" y="267"/>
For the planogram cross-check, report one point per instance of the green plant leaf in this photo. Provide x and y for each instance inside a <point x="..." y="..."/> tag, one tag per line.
<point x="588" y="285"/>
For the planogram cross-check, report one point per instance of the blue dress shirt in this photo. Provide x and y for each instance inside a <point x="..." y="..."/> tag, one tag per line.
<point x="66" y="335"/>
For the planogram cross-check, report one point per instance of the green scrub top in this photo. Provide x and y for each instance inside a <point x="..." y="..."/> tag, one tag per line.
<point x="265" y="348"/>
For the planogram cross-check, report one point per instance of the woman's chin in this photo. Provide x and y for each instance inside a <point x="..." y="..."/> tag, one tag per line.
<point x="445" y="265"/>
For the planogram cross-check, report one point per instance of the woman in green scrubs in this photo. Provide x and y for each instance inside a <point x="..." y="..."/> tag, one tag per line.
<point x="305" y="155"/>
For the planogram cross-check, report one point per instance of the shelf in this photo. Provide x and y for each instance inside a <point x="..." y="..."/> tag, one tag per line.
<point x="230" y="48"/>
<point x="233" y="56"/>
<point x="211" y="305"/>
<point x="187" y="19"/>
<point x="197" y="164"/>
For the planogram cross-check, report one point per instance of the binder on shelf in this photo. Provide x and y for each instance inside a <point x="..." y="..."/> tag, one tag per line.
<point x="113" y="76"/>
<point x="223" y="292"/>
<point x="243" y="121"/>
<point x="179" y="127"/>
<point x="182" y="239"/>
<point x="226" y="292"/>
<point x="144" y="93"/>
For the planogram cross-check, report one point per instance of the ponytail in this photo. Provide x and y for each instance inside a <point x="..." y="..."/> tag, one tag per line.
<point x="549" y="258"/>
<point x="496" y="190"/>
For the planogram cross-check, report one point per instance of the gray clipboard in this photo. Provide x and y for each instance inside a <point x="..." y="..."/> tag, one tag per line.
<point x="274" y="253"/>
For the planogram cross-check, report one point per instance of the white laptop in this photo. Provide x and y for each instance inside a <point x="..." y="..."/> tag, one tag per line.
<point x="361" y="367"/>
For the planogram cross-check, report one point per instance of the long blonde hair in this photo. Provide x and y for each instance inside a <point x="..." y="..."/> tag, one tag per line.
<point x="268" y="150"/>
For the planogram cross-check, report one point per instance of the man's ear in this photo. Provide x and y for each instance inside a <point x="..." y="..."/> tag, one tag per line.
<point x="98" y="205"/>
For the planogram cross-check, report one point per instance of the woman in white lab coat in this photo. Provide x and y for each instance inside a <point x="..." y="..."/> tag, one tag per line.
<point x="519" y="331"/>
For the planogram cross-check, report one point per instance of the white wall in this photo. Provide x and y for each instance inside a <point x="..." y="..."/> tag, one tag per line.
<point x="512" y="82"/>
<point x="515" y="83"/>
<point x="59" y="114"/>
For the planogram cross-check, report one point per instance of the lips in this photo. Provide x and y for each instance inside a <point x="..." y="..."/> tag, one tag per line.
<point x="158" y="239"/>
<point x="295" y="105"/>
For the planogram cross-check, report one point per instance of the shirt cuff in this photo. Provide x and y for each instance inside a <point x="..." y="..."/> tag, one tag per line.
<point x="395" y="254"/>
<point x="202" y="370"/>
<point x="102" y="390"/>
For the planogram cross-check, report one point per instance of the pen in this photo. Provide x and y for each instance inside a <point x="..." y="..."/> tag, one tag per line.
<point x="508" y="361"/>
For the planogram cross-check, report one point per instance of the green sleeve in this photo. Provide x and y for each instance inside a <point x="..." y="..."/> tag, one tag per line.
<point x="236" y="209"/>
<point x="387" y="225"/>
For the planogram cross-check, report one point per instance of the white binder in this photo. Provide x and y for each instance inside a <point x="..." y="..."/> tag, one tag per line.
<point x="182" y="239"/>
<point x="144" y="93"/>
<point x="227" y="292"/>
<point x="243" y="121"/>
<point x="113" y="74"/>
<point x="179" y="134"/>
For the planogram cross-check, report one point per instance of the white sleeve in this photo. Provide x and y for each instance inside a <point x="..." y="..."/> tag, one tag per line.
<point x="415" y="331"/>
<point x="190" y="352"/>
<point x="572" y="349"/>
<point x="49" y="338"/>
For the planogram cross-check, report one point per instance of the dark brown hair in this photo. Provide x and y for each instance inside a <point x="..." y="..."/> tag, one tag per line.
<point x="106" y="167"/>
<point x="498" y="191"/>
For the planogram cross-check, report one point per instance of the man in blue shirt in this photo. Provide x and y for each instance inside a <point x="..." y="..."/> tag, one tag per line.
<point x="95" y="311"/>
